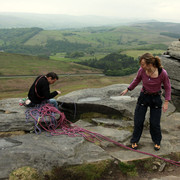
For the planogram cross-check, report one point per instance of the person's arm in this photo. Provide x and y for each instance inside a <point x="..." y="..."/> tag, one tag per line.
<point x="134" y="83"/>
<point x="124" y="92"/>
<point x="165" y="105"/>
<point x="48" y="95"/>
<point x="167" y="88"/>
<point x="46" y="90"/>
<point x="137" y="80"/>
<point x="59" y="92"/>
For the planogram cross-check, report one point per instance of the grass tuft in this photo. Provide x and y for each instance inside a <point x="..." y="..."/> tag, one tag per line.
<point x="128" y="169"/>
<point x="89" y="171"/>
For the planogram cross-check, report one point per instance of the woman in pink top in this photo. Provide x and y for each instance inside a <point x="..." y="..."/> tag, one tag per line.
<point x="152" y="76"/>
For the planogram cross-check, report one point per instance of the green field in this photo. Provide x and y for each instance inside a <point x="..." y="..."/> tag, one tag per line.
<point x="61" y="57"/>
<point x="137" y="53"/>
<point x="105" y="39"/>
<point x="133" y="53"/>
<point x="16" y="64"/>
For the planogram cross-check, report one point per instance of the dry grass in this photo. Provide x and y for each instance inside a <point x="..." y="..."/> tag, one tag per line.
<point x="18" y="87"/>
<point x="11" y="134"/>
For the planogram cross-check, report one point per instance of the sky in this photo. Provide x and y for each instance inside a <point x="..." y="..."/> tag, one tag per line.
<point x="163" y="10"/>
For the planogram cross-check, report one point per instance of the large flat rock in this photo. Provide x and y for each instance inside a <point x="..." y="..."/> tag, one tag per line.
<point x="44" y="152"/>
<point x="13" y="117"/>
<point x="170" y="142"/>
<point x="106" y="100"/>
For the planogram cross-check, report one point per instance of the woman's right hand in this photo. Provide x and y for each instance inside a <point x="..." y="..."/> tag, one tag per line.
<point x="124" y="92"/>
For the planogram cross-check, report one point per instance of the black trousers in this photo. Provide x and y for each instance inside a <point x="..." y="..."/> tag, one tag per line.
<point x="155" y="104"/>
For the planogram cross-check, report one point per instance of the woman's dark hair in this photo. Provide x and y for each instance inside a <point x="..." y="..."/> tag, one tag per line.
<point x="52" y="75"/>
<point x="150" y="59"/>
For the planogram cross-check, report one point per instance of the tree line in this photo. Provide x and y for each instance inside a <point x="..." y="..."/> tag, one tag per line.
<point x="114" y="64"/>
<point x="52" y="47"/>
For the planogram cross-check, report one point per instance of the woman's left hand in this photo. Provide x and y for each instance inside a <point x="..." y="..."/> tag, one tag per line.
<point x="165" y="106"/>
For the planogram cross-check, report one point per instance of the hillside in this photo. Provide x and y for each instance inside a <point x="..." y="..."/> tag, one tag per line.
<point x="107" y="39"/>
<point x="17" y="64"/>
<point x="143" y="36"/>
<point x="161" y="26"/>
<point x="17" y="86"/>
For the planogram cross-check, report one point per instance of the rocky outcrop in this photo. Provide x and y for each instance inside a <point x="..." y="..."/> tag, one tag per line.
<point x="171" y="62"/>
<point x="12" y="116"/>
<point x="174" y="50"/>
<point x="106" y="100"/>
<point x="44" y="152"/>
<point x="172" y="67"/>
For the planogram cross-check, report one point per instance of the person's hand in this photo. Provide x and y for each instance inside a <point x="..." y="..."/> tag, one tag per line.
<point x="124" y="92"/>
<point x="59" y="92"/>
<point x="165" y="106"/>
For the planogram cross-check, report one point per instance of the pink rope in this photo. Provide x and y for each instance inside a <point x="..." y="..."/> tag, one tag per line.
<point x="65" y="127"/>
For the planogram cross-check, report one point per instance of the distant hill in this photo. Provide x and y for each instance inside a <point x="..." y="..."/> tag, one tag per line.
<point x="160" y="26"/>
<point x="56" y="21"/>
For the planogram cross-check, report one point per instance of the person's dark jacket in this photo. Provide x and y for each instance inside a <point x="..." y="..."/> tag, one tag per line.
<point x="40" y="90"/>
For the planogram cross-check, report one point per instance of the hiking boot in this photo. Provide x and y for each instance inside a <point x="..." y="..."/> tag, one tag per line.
<point x="157" y="147"/>
<point x="134" y="146"/>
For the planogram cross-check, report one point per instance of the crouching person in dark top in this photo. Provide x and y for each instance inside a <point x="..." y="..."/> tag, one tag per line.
<point x="40" y="90"/>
